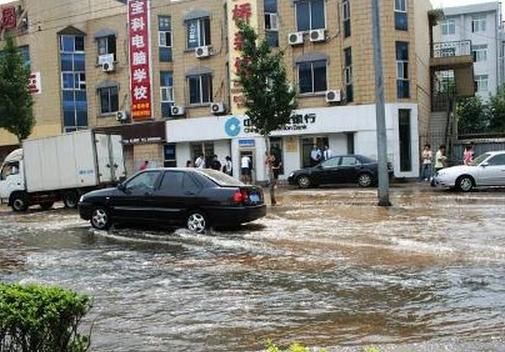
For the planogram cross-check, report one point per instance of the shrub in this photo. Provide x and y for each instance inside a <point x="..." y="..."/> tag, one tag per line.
<point x="296" y="347"/>
<point x="41" y="318"/>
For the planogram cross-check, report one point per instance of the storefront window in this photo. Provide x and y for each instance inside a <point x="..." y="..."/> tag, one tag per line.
<point x="205" y="148"/>
<point x="170" y="155"/>
<point x="307" y="144"/>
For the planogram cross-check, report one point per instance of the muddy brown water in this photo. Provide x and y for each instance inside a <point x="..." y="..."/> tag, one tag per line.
<point x="326" y="268"/>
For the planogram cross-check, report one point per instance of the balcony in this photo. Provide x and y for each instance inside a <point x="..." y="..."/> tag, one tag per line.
<point x="457" y="57"/>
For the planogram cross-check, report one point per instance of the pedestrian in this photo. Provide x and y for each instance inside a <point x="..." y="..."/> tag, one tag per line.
<point x="228" y="166"/>
<point x="315" y="156"/>
<point x="245" y="168"/>
<point x="327" y="154"/>
<point x="215" y="164"/>
<point x="426" y="156"/>
<point x="276" y="168"/>
<point x="144" y="165"/>
<point x="200" y="162"/>
<point x="440" y="158"/>
<point x="189" y="163"/>
<point x="468" y="154"/>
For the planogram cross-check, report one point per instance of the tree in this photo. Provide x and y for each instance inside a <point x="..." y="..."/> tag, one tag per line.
<point x="497" y="111"/>
<point x="269" y="98"/>
<point x="16" y="114"/>
<point x="473" y="115"/>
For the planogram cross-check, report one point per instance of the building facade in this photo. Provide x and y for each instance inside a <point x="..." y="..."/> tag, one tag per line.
<point x="481" y="25"/>
<point x="82" y="53"/>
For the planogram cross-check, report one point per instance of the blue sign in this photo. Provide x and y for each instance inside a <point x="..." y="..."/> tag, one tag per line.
<point x="232" y="127"/>
<point x="246" y="143"/>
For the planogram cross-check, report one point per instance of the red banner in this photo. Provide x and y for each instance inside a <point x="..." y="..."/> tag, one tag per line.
<point x="8" y="18"/>
<point x="140" y="60"/>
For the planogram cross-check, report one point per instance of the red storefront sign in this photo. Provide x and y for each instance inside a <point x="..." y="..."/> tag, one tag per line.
<point x="8" y="18"/>
<point x="140" y="60"/>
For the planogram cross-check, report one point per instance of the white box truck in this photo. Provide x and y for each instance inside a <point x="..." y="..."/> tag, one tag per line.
<point x="60" y="168"/>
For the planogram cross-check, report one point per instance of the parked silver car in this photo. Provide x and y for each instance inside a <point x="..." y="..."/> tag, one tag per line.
<point x="487" y="170"/>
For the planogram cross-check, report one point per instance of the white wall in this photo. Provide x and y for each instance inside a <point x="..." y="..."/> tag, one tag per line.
<point x="183" y="154"/>
<point x="338" y="143"/>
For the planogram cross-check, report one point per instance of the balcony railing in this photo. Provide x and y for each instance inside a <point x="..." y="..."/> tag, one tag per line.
<point x="451" y="49"/>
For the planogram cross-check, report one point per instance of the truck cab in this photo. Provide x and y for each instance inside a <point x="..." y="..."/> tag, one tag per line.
<point x="12" y="176"/>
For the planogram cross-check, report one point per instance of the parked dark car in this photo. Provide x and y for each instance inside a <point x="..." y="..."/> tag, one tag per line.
<point x="337" y="170"/>
<point x="196" y="198"/>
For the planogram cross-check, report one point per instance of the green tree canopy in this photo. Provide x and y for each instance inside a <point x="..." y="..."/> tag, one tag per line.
<point x="473" y="115"/>
<point x="16" y="114"/>
<point x="497" y="111"/>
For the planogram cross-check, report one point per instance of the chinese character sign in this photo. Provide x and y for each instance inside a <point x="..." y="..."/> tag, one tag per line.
<point x="140" y="64"/>
<point x="8" y="18"/>
<point x="34" y="84"/>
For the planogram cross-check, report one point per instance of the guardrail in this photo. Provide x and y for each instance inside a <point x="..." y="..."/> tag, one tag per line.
<point x="451" y="49"/>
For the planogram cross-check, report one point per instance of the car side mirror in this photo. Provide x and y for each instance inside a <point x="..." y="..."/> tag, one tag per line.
<point x="486" y="164"/>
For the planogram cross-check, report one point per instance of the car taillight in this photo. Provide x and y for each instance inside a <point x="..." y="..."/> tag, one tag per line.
<point x="240" y="196"/>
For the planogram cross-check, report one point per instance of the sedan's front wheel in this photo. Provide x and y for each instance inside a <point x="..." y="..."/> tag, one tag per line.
<point x="303" y="181"/>
<point x="464" y="183"/>
<point x="197" y="222"/>
<point x="100" y="219"/>
<point x="365" y="180"/>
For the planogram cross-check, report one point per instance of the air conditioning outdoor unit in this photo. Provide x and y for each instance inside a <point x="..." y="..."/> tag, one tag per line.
<point x="333" y="96"/>
<point x="107" y="62"/>
<point x="121" y="116"/>
<point x="217" y="108"/>
<point x="317" y="35"/>
<point x="177" y="110"/>
<point x="202" y="52"/>
<point x="295" y="38"/>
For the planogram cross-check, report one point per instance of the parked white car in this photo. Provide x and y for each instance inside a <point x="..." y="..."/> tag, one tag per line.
<point x="487" y="170"/>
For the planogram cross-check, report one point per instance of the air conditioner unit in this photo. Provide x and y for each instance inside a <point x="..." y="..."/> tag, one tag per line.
<point x="333" y="96"/>
<point x="202" y="52"/>
<point x="177" y="110"/>
<point x="107" y="62"/>
<point x="217" y="108"/>
<point x="317" y="35"/>
<point x="295" y="38"/>
<point x="121" y="116"/>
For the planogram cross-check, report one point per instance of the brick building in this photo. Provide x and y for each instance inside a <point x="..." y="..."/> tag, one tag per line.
<point x="81" y="50"/>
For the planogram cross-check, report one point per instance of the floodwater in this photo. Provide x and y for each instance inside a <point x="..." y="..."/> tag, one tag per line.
<point x="326" y="268"/>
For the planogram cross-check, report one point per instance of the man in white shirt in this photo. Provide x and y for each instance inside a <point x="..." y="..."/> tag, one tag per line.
<point x="200" y="162"/>
<point x="327" y="154"/>
<point x="315" y="156"/>
<point x="245" y="167"/>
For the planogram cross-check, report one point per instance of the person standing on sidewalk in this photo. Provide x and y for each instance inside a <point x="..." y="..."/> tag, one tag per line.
<point x="440" y="158"/>
<point x="427" y="155"/>
<point x="468" y="154"/>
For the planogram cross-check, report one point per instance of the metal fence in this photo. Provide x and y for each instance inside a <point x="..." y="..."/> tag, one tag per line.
<point x="451" y="49"/>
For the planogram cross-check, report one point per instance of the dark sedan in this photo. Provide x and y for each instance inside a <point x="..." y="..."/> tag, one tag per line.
<point x="343" y="169"/>
<point x="196" y="198"/>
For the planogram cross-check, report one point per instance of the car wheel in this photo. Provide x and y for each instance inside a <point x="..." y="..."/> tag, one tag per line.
<point x="70" y="199"/>
<point x="19" y="202"/>
<point x="46" y="206"/>
<point x="100" y="219"/>
<point x="365" y="180"/>
<point x="465" y="183"/>
<point x="196" y="222"/>
<point x="303" y="181"/>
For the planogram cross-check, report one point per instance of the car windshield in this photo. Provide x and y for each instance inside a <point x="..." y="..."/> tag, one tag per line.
<point x="220" y="178"/>
<point x="480" y="159"/>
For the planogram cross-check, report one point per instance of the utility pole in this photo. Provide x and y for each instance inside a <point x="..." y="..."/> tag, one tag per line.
<point x="380" y="109"/>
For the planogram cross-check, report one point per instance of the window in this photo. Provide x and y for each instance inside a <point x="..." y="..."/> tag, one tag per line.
<point x="349" y="161"/>
<point x="479" y="53"/>
<point x="172" y="182"/>
<point x="330" y="163"/>
<point x="497" y="160"/>
<point x="405" y="140"/>
<point x="109" y="100"/>
<point x="165" y="38"/>
<point x="479" y="23"/>
<point x="10" y="169"/>
<point x="401" y="17"/>
<point x="350" y="142"/>
<point x="198" y="32"/>
<point x="312" y="76"/>
<point x="481" y="83"/>
<point x="402" y="70"/>
<point x="448" y="27"/>
<point x="346" y="14"/>
<point x="200" y="89"/>
<point x="349" y="92"/>
<point x="271" y="23"/>
<point x="310" y="15"/>
<point x="170" y="155"/>
<point x="205" y="148"/>
<point x="106" y="45"/>
<point x="73" y="83"/>
<point x="25" y="54"/>
<point x="144" y="181"/>
<point x="166" y="93"/>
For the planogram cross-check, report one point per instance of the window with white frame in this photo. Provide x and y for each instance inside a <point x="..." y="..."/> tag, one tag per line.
<point x="165" y="38"/>
<point x="73" y="81"/>
<point x="271" y="23"/>
<point x="478" y="23"/>
<point x="106" y="45"/>
<point x="198" y="32"/>
<point x="349" y="91"/>
<point x="310" y="14"/>
<point x="448" y="27"/>
<point x="401" y="17"/>
<point x="482" y="83"/>
<point x="312" y="76"/>
<point x="346" y="15"/>
<point x="109" y="99"/>
<point x="479" y="53"/>
<point x="166" y="93"/>
<point x="200" y="89"/>
<point x="402" y="70"/>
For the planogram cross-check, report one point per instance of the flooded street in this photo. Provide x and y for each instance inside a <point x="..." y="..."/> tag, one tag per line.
<point x="326" y="268"/>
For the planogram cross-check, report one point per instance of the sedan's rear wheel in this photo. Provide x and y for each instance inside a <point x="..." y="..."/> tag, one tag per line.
<point x="365" y="180"/>
<point x="197" y="222"/>
<point x="303" y="181"/>
<point x="100" y="219"/>
<point x="464" y="183"/>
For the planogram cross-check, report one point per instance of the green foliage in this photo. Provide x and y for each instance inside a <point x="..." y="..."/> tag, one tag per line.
<point x="16" y="114"/>
<point x="371" y="349"/>
<point x="269" y="99"/>
<point x="39" y="318"/>
<point x="473" y="115"/>
<point x="497" y="111"/>
<point x="296" y="347"/>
